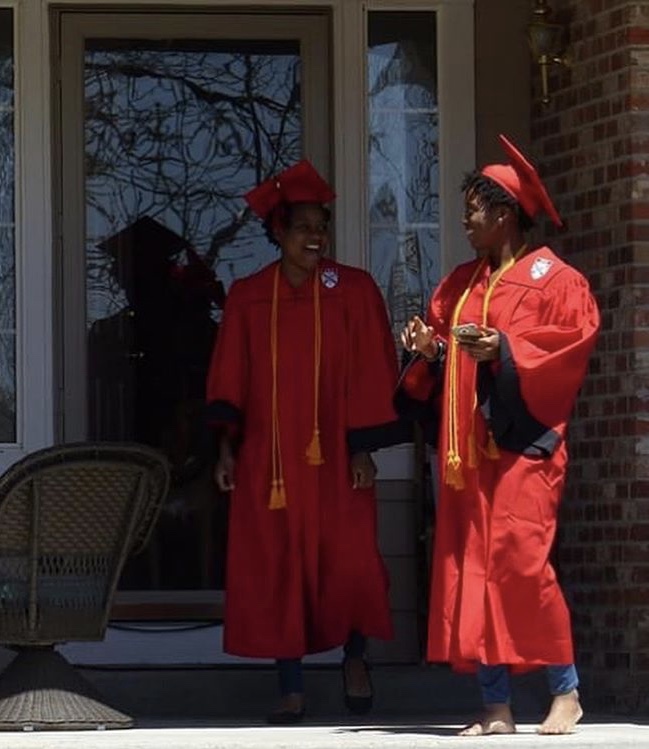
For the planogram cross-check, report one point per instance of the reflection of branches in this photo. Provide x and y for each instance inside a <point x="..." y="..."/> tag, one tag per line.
<point x="180" y="135"/>
<point x="403" y="127"/>
<point x="7" y="337"/>
<point x="7" y="236"/>
<point x="404" y="164"/>
<point x="256" y="137"/>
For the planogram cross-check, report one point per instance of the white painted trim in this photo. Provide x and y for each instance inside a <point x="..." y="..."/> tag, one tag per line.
<point x="350" y="139"/>
<point x="35" y="405"/>
<point x="144" y="645"/>
<point x="457" y="124"/>
<point x="395" y="463"/>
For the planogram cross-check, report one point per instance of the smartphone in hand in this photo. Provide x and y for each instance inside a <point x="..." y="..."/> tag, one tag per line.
<point x="468" y="331"/>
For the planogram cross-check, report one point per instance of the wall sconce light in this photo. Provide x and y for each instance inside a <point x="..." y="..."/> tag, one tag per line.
<point x="547" y="43"/>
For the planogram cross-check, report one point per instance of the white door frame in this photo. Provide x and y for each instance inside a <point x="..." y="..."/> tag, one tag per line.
<point x="309" y="29"/>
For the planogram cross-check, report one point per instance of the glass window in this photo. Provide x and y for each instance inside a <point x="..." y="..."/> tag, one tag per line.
<point x="7" y="232"/>
<point x="403" y="159"/>
<point x="175" y="133"/>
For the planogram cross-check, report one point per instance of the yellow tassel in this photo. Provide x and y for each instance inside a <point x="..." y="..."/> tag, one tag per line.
<point x="493" y="453"/>
<point x="453" y="476"/>
<point x="277" y="496"/>
<point x="313" y="451"/>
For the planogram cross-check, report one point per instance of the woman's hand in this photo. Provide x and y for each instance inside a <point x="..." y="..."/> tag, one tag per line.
<point x="485" y="348"/>
<point x="363" y="470"/>
<point x="224" y="469"/>
<point x="419" y="337"/>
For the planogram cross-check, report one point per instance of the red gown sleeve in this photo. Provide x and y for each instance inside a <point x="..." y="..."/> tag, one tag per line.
<point x="546" y="348"/>
<point x="227" y="379"/>
<point x="372" y="369"/>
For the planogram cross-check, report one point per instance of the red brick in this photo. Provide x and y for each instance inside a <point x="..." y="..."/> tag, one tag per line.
<point x="638" y="35"/>
<point x="595" y="156"/>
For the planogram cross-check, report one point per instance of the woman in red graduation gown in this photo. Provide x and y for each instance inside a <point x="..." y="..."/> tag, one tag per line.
<point x="508" y="336"/>
<point x="302" y="378"/>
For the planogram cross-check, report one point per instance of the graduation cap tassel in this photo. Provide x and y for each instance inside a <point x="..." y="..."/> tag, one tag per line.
<point x="277" y="496"/>
<point x="454" y="475"/>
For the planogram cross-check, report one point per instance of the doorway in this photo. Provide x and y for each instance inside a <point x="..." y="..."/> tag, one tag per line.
<point x="165" y="120"/>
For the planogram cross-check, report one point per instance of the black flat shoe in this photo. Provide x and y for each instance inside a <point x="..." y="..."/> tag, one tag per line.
<point x="285" y="717"/>
<point x="354" y="703"/>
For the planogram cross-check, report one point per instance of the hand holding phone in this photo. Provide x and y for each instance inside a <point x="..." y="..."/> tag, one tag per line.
<point x="468" y="331"/>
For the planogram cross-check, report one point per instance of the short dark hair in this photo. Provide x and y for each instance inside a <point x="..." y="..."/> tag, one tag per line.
<point x="491" y="194"/>
<point x="284" y="213"/>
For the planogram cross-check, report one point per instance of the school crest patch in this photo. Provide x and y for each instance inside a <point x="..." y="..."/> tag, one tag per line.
<point x="329" y="278"/>
<point x="540" y="267"/>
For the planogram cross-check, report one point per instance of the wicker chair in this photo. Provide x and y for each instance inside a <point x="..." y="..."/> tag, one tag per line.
<point x="69" y="517"/>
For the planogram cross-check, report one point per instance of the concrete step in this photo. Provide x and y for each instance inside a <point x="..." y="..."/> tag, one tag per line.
<point x="241" y="693"/>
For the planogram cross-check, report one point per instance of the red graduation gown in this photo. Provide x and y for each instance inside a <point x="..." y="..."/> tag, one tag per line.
<point x="300" y="579"/>
<point x="494" y="595"/>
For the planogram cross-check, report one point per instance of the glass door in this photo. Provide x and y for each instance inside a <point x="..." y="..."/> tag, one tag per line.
<point x="166" y="120"/>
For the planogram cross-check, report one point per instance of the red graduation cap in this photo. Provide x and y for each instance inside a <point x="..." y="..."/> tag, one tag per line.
<point x="521" y="180"/>
<point x="300" y="183"/>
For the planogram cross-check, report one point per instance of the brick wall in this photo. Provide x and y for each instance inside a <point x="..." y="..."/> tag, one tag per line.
<point x="593" y="144"/>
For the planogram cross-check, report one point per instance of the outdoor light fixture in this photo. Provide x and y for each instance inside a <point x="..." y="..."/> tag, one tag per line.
<point x="547" y="43"/>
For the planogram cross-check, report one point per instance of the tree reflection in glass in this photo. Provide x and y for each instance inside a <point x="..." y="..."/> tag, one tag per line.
<point x="179" y="131"/>
<point x="7" y="232"/>
<point x="403" y="159"/>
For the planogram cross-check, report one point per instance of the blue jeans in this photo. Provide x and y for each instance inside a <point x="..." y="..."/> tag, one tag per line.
<point x="495" y="687"/>
<point x="289" y="670"/>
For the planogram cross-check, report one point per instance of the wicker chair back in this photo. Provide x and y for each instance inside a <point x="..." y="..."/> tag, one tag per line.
<point x="69" y="517"/>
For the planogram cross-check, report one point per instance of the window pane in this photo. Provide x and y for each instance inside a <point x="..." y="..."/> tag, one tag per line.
<point x="7" y="232"/>
<point x="403" y="159"/>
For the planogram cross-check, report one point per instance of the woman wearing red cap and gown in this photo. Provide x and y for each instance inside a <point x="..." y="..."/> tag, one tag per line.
<point x="507" y="338"/>
<point x="302" y="378"/>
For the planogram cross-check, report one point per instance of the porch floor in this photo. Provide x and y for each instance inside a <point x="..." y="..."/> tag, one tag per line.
<point x="393" y="735"/>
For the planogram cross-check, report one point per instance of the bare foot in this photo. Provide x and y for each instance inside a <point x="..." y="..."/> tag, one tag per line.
<point x="565" y="713"/>
<point x="496" y="718"/>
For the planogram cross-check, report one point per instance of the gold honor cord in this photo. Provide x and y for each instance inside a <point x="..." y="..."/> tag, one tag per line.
<point x="313" y="451"/>
<point x="277" y="489"/>
<point x="453" y="472"/>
